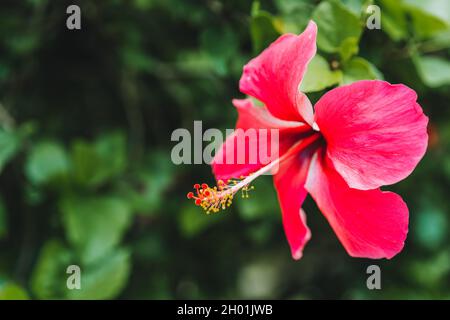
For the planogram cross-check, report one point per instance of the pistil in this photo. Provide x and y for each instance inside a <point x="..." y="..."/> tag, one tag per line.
<point x="214" y="199"/>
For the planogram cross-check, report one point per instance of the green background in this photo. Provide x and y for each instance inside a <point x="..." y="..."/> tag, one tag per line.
<point x="86" y="178"/>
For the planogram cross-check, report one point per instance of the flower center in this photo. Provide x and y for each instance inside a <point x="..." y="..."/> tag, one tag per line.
<point x="214" y="199"/>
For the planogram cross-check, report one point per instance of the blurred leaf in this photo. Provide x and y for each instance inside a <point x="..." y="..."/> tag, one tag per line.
<point x="437" y="8"/>
<point x="434" y="71"/>
<point x="11" y="291"/>
<point x="264" y="28"/>
<point x="113" y="143"/>
<point x="105" y="278"/>
<point x="23" y="43"/>
<point x="431" y="227"/>
<point x="46" y="161"/>
<point x="86" y="163"/>
<point x="359" y="69"/>
<point x="102" y="279"/>
<point x="9" y="145"/>
<point x="335" y="25"/>
<point x="426" y="25"/>
<point x="193" y="220"/>
<point x="136" y="59"/>
<point x="48" y="280"/>
<point x="295" y="14"/>
<point x="318" y="76"/>
<point x="348" y="49"/>
<point x="197" y="63"/>
<point x="356" y="6"/>
<point x="438" y="42"/>
<point x="149" y="184"/>
<point x="95" y="225"/>
<point x="393" y="20"/>
<point x="431" y="272"/>
<point x="429" y="17"/>
<point x="93" y="163"/>
<point x="222" y="45"/>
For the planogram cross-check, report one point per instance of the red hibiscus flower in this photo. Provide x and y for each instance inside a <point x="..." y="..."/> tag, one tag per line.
<point x="361" y="136"/>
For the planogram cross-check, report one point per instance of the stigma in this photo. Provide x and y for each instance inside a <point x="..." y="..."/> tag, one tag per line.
<point x="220" y="197"/>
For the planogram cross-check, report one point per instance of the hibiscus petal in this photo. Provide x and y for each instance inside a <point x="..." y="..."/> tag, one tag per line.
<point x="369" y="224"/>
<point x="225" y="164"/>
<point x="252" y="116"/>
<point x="289" y="183"/>
<point x="376" y="133"/>
<point x="274" y="76"/>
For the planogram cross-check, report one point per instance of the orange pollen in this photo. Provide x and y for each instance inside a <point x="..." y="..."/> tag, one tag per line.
<point x="214" y="199"/>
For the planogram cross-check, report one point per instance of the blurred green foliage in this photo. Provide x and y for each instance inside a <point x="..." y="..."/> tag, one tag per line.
<point x="85" y="124"/>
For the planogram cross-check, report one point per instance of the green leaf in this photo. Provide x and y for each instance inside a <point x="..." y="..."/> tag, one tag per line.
<point x="49" y="277"/>
<point x="319" y="76"/>
<point x="437" y="8"/>
<point x="434" y="71"/>
<point x="356" y="6"/>
<point x="86" y="163"/>
<point x="431" y="273"/>
<point x="429" y="17"/>
<point x="264" y="29"/>
<point x="105" y="278"/>
<point x="193" y="220"/>
<point x="23" y="44"/>
<point x="295" y="14"/>
<point x="46" y="162"/>
<point x="94" y="226"/>
<point x="335" y="25"/>
<point x="145" y="194"/>
<point x="3" y="222"/>
<point x="438" y="42"/>
<point x="360" y="69"/>
<point x="221" y="45"/>
<point x="348" y="49"/>
<point x="11" y="291"/>
<point x="93" y="163"/>
<point x="9" y="145"/>
<point x="113" y="143"/>
<point x="136" y="59"/>
<point x="196" y="62"/>
<point x="394" y="21"/>
<point x="431" y="227"/>
<point x="426" y="25"/>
